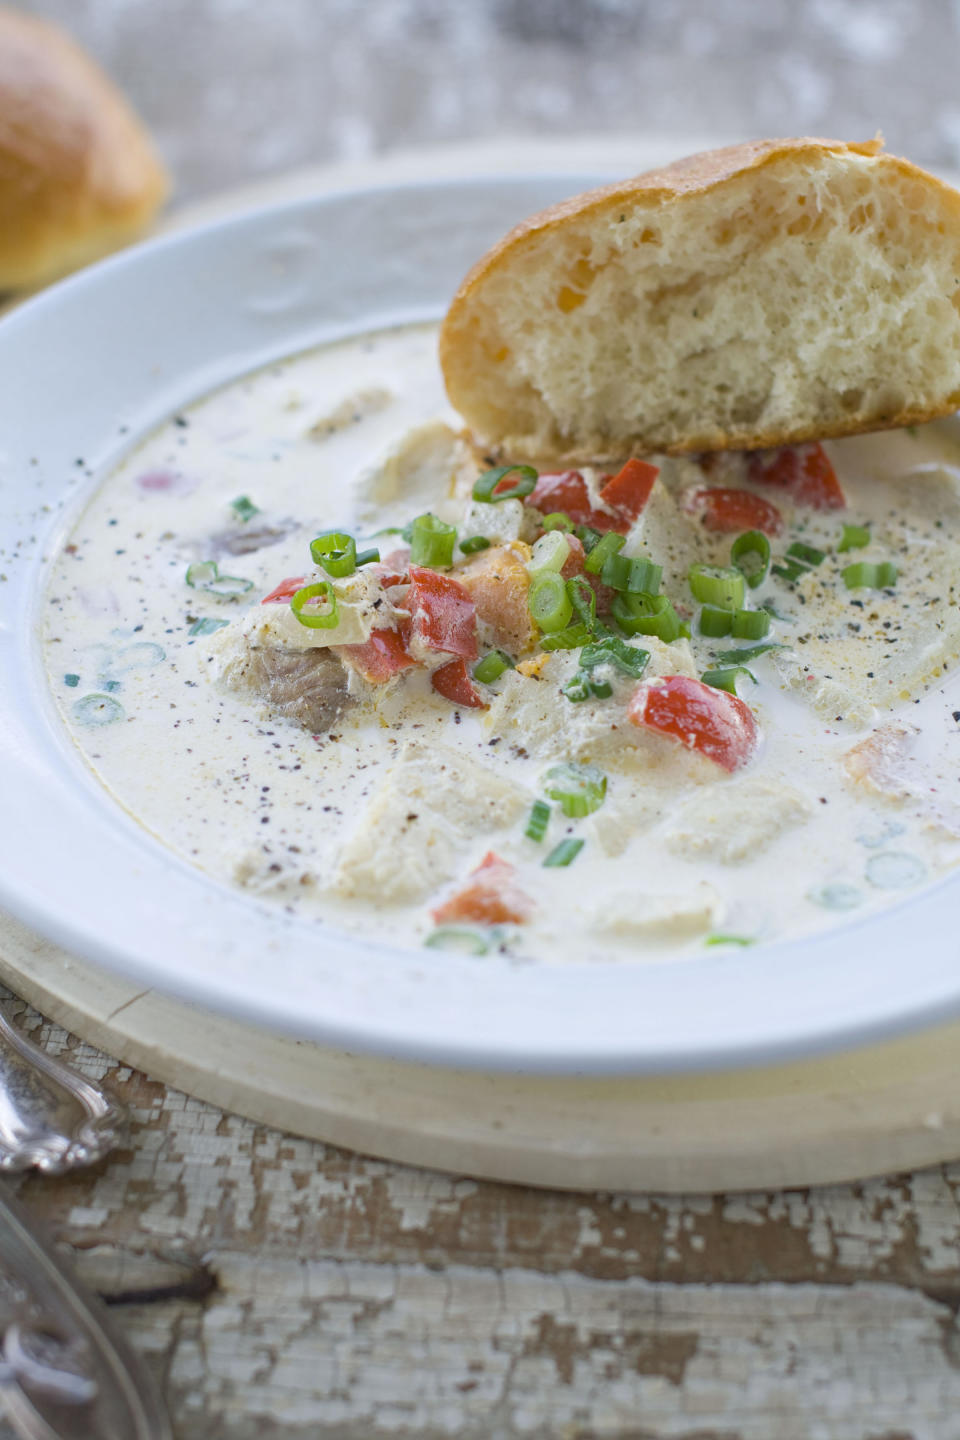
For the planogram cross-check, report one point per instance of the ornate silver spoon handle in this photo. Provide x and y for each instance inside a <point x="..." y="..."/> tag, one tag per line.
<point x="51" y="1118"/>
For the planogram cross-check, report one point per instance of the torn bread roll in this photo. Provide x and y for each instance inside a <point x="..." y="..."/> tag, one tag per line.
<point x="78" y="174"/>
<point x="754" y="296"/>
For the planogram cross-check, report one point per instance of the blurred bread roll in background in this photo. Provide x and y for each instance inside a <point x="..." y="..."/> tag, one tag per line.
<point x="79" y="176"/>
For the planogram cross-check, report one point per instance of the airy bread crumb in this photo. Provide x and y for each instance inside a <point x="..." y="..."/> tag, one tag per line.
<point x="760" y="295"/>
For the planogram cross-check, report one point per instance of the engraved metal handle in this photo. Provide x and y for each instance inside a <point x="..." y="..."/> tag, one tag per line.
<point x="51" y="1118"/>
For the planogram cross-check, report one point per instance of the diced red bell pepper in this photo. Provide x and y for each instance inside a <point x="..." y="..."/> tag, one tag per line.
<point x="443" y="615"/>
<point x="717" y="725"/>
<point x="285" y="590"/>
<point x="629" y="490"/>
<point x="802" y="470"/>
<point x="567" y="492"/>
<point x="453" y="682"/>
<point x="728" y="510"/>
<point x="491" y="896"/>
<point x="380" y="657"/>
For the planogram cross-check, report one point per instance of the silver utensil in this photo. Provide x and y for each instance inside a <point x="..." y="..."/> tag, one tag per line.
<point x="65" y="1371"/>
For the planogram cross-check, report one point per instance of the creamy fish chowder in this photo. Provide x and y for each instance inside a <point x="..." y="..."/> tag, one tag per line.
<point x="321" y="647"/>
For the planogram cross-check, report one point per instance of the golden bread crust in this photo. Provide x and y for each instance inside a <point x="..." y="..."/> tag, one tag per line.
<point x="462" y="358"/>
<point x="78" y="174"/>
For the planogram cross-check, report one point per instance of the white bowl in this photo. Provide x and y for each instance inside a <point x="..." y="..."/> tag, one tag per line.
<point x="121" y="346"/>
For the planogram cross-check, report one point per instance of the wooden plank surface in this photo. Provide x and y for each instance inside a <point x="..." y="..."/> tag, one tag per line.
<point x="283" y="1288"/>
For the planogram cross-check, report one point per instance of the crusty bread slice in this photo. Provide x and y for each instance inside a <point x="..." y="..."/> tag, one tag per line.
<point x="754" y="296"/>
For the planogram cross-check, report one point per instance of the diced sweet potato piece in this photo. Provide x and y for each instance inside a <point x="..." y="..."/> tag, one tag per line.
<point x="498" y="584"/>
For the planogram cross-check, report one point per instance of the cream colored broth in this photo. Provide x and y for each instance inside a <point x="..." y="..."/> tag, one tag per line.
<point x="321" y="824"/>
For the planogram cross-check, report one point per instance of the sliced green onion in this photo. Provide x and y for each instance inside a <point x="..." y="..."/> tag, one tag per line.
<point x="601" y="689"/>
<point x="431" y="542"/>
<point x="228" y="585"/>
<point x="806" y="554"/>
<point x="320" y="593"/>
<point x="726" y="679"/>
<point x="74" y="680"/>
<point x="750" y="624"/>
<point x="244" y="508"/>
<point x="747" y="652"/>
<point x="207" y="626"/>
<point x="390" y="530"/>
<point x="111" y="685"/>
<point x="715" y="622"/>
<point x="200" y="575"/>
<point x="538" y="822"/>
<point x="750" y="554"/>
<point x="611" y="650"/>
<point x="606" y="546"/>
<point x="564" y="853"/>
<point x="453" y="937"/>
<point x="550" y="552"/>
<point x="587" y="536"/>
<point x="729" y="940"/>
<point x="557" y="520"/>
<point x="474" y="543"/>
<point x="335" y="552"/>
<point x="569" y="639"/>
<point x="647" y="615"/>
<point x="719" y="585"/>
<point x="365" y="557"/>
<point x="95" y="710"/>
<point x="579" y="789"/>
<point x="526" y="482"/>
<point x="578" y="687"/>
<point x="548" y="602"/>
<point x="790" y="571"/>
<point x="492" y="666"/>
<point x="864" y="575"/>
<point x="855" y="537"/>
<point x="636" y="577"/>
<point x="583" y="600"/>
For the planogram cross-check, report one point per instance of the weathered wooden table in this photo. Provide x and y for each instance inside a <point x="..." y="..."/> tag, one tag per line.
<point x="282" y="1288"/>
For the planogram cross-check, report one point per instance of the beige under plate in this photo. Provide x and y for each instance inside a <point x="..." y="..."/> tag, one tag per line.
<point x="892" y="1107"/>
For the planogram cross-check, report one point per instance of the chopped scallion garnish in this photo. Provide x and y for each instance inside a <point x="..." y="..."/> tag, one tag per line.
<point x="578" y="789"/>
<point x="557" y="520"/>
<point x="367" y="557"/>
<point x="550" y="552"/>
<point x="538" y="822"/>
<point x="578" y="688"/>
<point x="635" y="576"/>
<point x="607" y="545"/>
<point x="726" y="679"/>
<point x="487" y="483"/>
<point x="492" y="666"/>
<point x="205" y="575"/>
<point x="611" y="650"/>
<point x="200" y="575"/>
<point x="750" y="554"/>
<point x="207" y="626"/>
<point x="244" y="508"/>
<point x="569" y="639"/>
<point x="474" y="543"/>
<point x="806" y="554"/>
<point x="715" y="622"/>
<point x="720" y="585"/>
<point x="314" y="596"/>
<point x="647" y="615"/>
<point x="747" y="652"/>
<point x="335" y="552"/>
<point x="548" y="602"/>
<point x="864" y="575"/>
<point x="74" y="680"/>
<point x="750" y="624"/>
<point x="729" y="940"/>
<point x="564" y="853"/>
<point x="453" y="937"/>
<point x="583" y="600"/>
<point x="431" y="542"/>
<point x="587" y="536"/>
<point x="855" y="537"/>
<point x="790" y="571"/>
